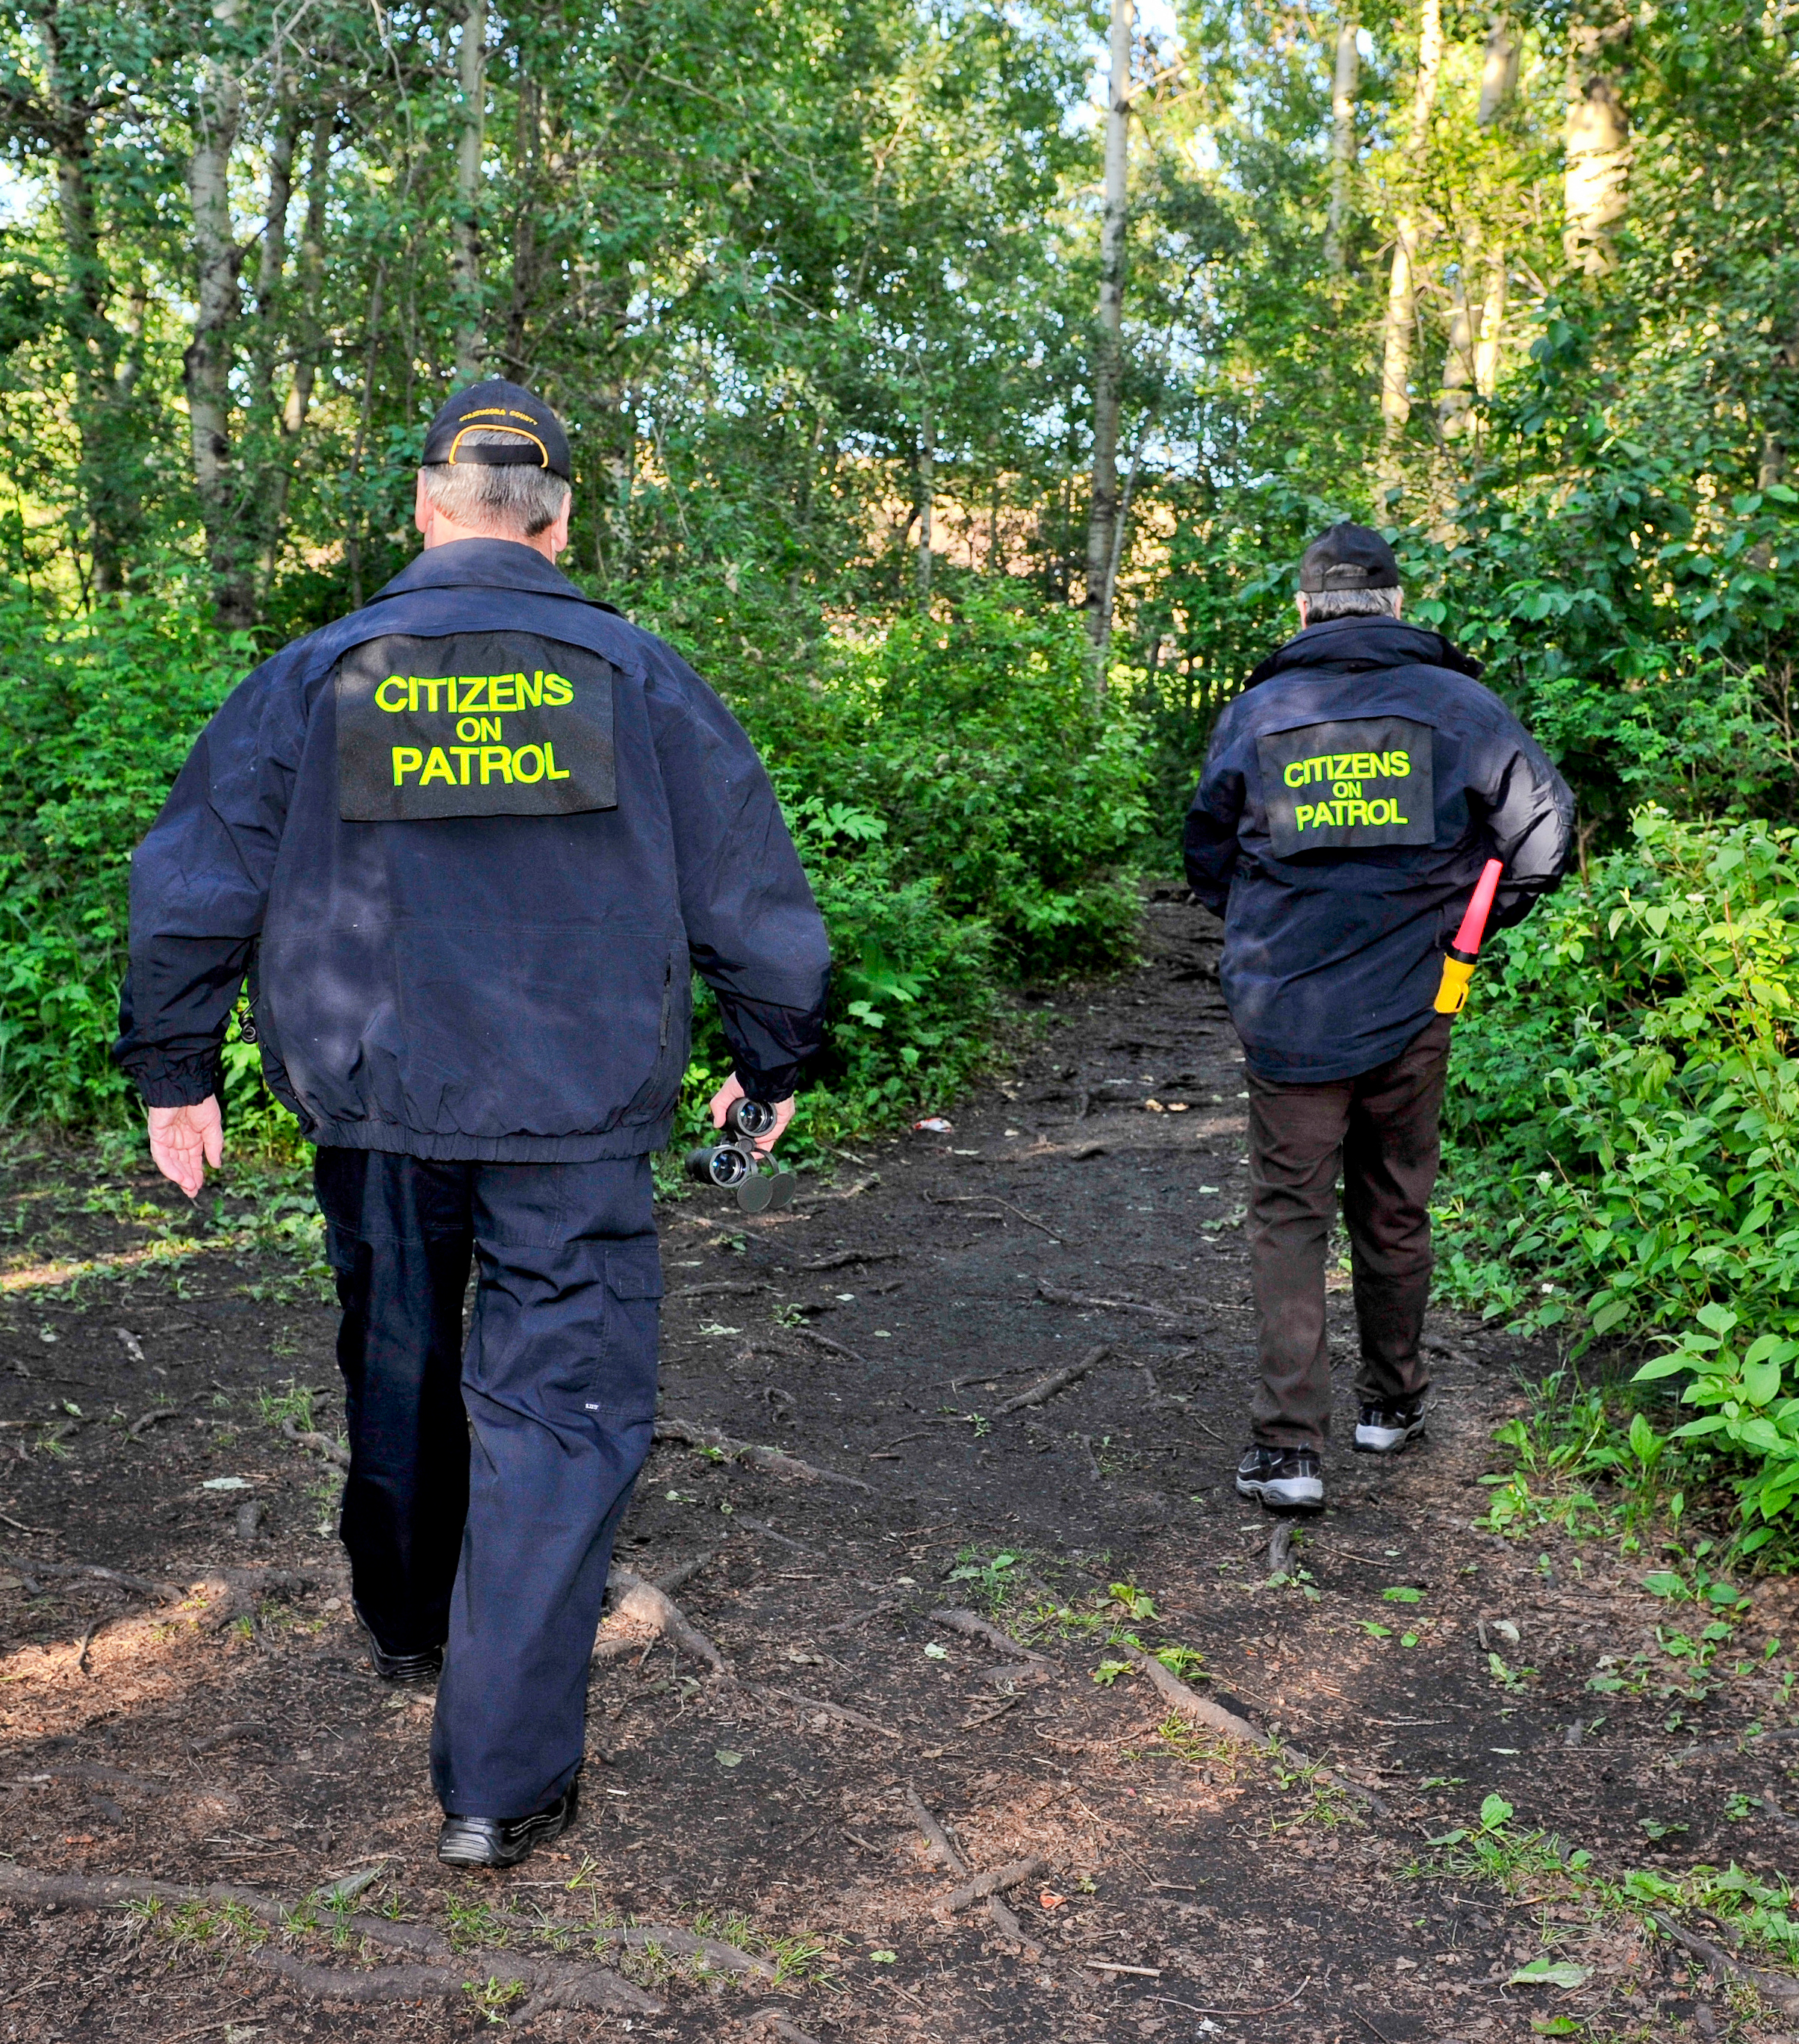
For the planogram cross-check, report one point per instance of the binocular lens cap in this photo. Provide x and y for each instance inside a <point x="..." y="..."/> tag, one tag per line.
<point x="756" y="1195"/>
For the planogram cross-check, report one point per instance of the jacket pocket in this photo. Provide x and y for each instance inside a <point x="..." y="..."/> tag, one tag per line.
<point x="624" y="1389"/>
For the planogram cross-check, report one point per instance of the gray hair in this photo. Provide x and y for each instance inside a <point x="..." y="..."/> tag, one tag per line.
<point x="1323" y="603"/>
<point x="516" y="501"/>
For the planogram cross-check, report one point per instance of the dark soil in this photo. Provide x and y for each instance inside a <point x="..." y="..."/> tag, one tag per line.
<point x="873" y="1332"/>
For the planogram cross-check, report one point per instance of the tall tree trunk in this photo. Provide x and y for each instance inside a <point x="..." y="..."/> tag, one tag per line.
<point x="1596" y="174"/>
<point x="1470" y="365"/>
<point x="1343" y="86"/>
<point x="206" y="364"/>
<point x="471" y="64"/>
<point x="524" y="224"/>
<point x="107" y="498"/>
<point x="926" y="494"/>
<point x="262" y="445"/>
<point x="1108" y="352"/>
<point x="311" y="335"/>
<point x="1401" y="298"/>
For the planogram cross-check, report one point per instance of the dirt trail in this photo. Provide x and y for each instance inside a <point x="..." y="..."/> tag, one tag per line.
<point x="784" y="1809"/>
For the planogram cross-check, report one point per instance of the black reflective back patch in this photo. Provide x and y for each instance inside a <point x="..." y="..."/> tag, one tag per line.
<point x="484" y="723"/>
<point x="1342" y="787"/>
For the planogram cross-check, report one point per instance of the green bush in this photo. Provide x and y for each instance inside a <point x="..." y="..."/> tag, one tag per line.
<point x="961" y="804"/>
<point x="1624" y="1106"/>
<point x="97" y="712"/>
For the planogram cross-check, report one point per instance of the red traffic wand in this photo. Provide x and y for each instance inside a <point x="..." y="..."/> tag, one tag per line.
<point x="1458" y="966"/>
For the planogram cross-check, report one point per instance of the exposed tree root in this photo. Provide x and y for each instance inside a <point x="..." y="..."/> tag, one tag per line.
<point x="641" y="1611"/>
<point x="993" y="1200"/>
<point x="973" y="1628"/>
<point x="840" y="1711"/>
<point x="1046" y="1388"/>
<point x="771" y="1459"/>
<point x="1200" y="1710"/>
<point x="946" y="1854"/>
<point x="1775" y="1987"/>
<point x="773" y="2019"/>
<point x="320" y="1444"/>
<point x="551" y="1983"/>
<point x="71" y="1571"/>
<point x="136" y="1431"/>
<point x="1013" y="1875"/>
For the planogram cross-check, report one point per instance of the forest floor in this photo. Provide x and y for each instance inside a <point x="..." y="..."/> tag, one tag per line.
<point x="1500" y="1753"/>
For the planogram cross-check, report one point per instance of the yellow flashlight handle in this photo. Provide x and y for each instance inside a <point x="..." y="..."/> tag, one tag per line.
<point x="1452" y="993"/>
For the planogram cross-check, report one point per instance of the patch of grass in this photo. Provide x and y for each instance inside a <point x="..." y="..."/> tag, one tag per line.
<point x="1209" y="1750"/>
<point x="491" y="1998"/>
<point x="294" y="1401"/>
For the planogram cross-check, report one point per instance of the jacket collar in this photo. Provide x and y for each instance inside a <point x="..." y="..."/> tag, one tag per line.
<point x="486" y="564"/>
<point x="1359" y="645"/>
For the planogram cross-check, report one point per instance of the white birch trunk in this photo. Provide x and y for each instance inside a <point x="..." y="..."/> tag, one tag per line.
<point x="1109" y="363"/>
<point x="1401" y="301"/>
<point x="206" y="363"/>
<point x="471" y="65"/>
<point x="1343" y="87"/>
<point x="1596" y="174"/>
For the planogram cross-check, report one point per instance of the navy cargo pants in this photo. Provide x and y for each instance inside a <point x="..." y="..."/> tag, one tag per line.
<point x="487" y="1478"/>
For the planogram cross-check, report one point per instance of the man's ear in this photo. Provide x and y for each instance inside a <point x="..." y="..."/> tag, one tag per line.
<point x="1303" y="608"/>
<point x="422" y="507"/>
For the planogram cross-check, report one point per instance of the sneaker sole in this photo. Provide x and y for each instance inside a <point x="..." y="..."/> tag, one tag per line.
<point x="1385" y="1440"/>
<point x="1298" y="1493"/>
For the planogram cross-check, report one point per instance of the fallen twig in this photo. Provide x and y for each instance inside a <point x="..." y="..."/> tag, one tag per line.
<point x="1056" y="1296"/>
<point x="320" y="1444"/>
<point x="996" y="1882"/>
<point x="840" y="1711"/>
<point x="724" y="1285"/>
<point x="771" y="1459"/>
<point x="1046" y="1388"/>
<point x="972" y="1627"/>
<point x="831" y="1348"/>
<point x="989" y="1199"/>
<point x="1118" y="1966"/>
<point x="1272" y="2008"/>
<point x="839" y="1258"/>
<point x="848" y="1192"/>
<point x="1784" y="1993"/>
<point x="863" y="1617"/>
<point x="135" y="1431"/>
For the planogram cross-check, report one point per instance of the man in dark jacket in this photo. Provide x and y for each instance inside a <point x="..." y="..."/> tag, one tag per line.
<point x="464" y="844"/>
<point x="1352" y="794"/>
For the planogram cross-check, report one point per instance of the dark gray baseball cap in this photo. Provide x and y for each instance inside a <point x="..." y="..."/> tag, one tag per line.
<point x="534" y="436"/>
<point x="1348" y="557"/>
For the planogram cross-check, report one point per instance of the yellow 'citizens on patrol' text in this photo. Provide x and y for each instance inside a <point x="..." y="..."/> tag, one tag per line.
<point x="456" y="695"/>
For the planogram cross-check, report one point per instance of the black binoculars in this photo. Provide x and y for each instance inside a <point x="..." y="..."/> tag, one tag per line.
<point x="732" y="1164"/>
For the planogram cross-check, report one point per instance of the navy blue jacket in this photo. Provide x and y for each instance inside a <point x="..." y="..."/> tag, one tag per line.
<point x="1352" y="793"/>
<point x="472" y="949"/>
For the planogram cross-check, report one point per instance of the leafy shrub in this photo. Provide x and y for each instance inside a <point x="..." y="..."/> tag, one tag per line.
<point x="960" y="804"/>
<point x="1625" y="1105"/>
<point x="97" y="714"/>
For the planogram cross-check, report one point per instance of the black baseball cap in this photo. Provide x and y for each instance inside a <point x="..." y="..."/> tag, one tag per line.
<point x="1348" y="557"/>
<point x="536" y="438"/>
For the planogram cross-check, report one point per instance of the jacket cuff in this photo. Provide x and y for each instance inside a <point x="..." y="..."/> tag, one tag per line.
<point x="770" y="1086"/>
<point x="177" y="1084"/>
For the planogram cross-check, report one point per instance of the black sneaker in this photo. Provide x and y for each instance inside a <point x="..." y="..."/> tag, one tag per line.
<point x="1286" y="1479"/>
<point x="504" y="1841"/>
<point x="400" y="1668"/>
<point x="1384" y="1430"/>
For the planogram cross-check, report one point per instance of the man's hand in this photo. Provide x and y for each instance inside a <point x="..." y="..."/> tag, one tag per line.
<point x="183" y="1140"/>
<point x="721" y="1101"/>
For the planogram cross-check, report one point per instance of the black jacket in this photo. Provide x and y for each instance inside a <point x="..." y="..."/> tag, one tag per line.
<point x="1352" y="793"/>
<point x="468" y="901"/>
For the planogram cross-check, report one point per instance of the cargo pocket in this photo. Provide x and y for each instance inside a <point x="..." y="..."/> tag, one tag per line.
<point x="624" y="1390"/>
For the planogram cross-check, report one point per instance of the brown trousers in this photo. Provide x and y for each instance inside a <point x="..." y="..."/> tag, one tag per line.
<point x="1379" y="1129"/>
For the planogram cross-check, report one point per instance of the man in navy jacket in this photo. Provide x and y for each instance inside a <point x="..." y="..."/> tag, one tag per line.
<point x="1352" y="794"/>
<point x="465" y="845"/>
